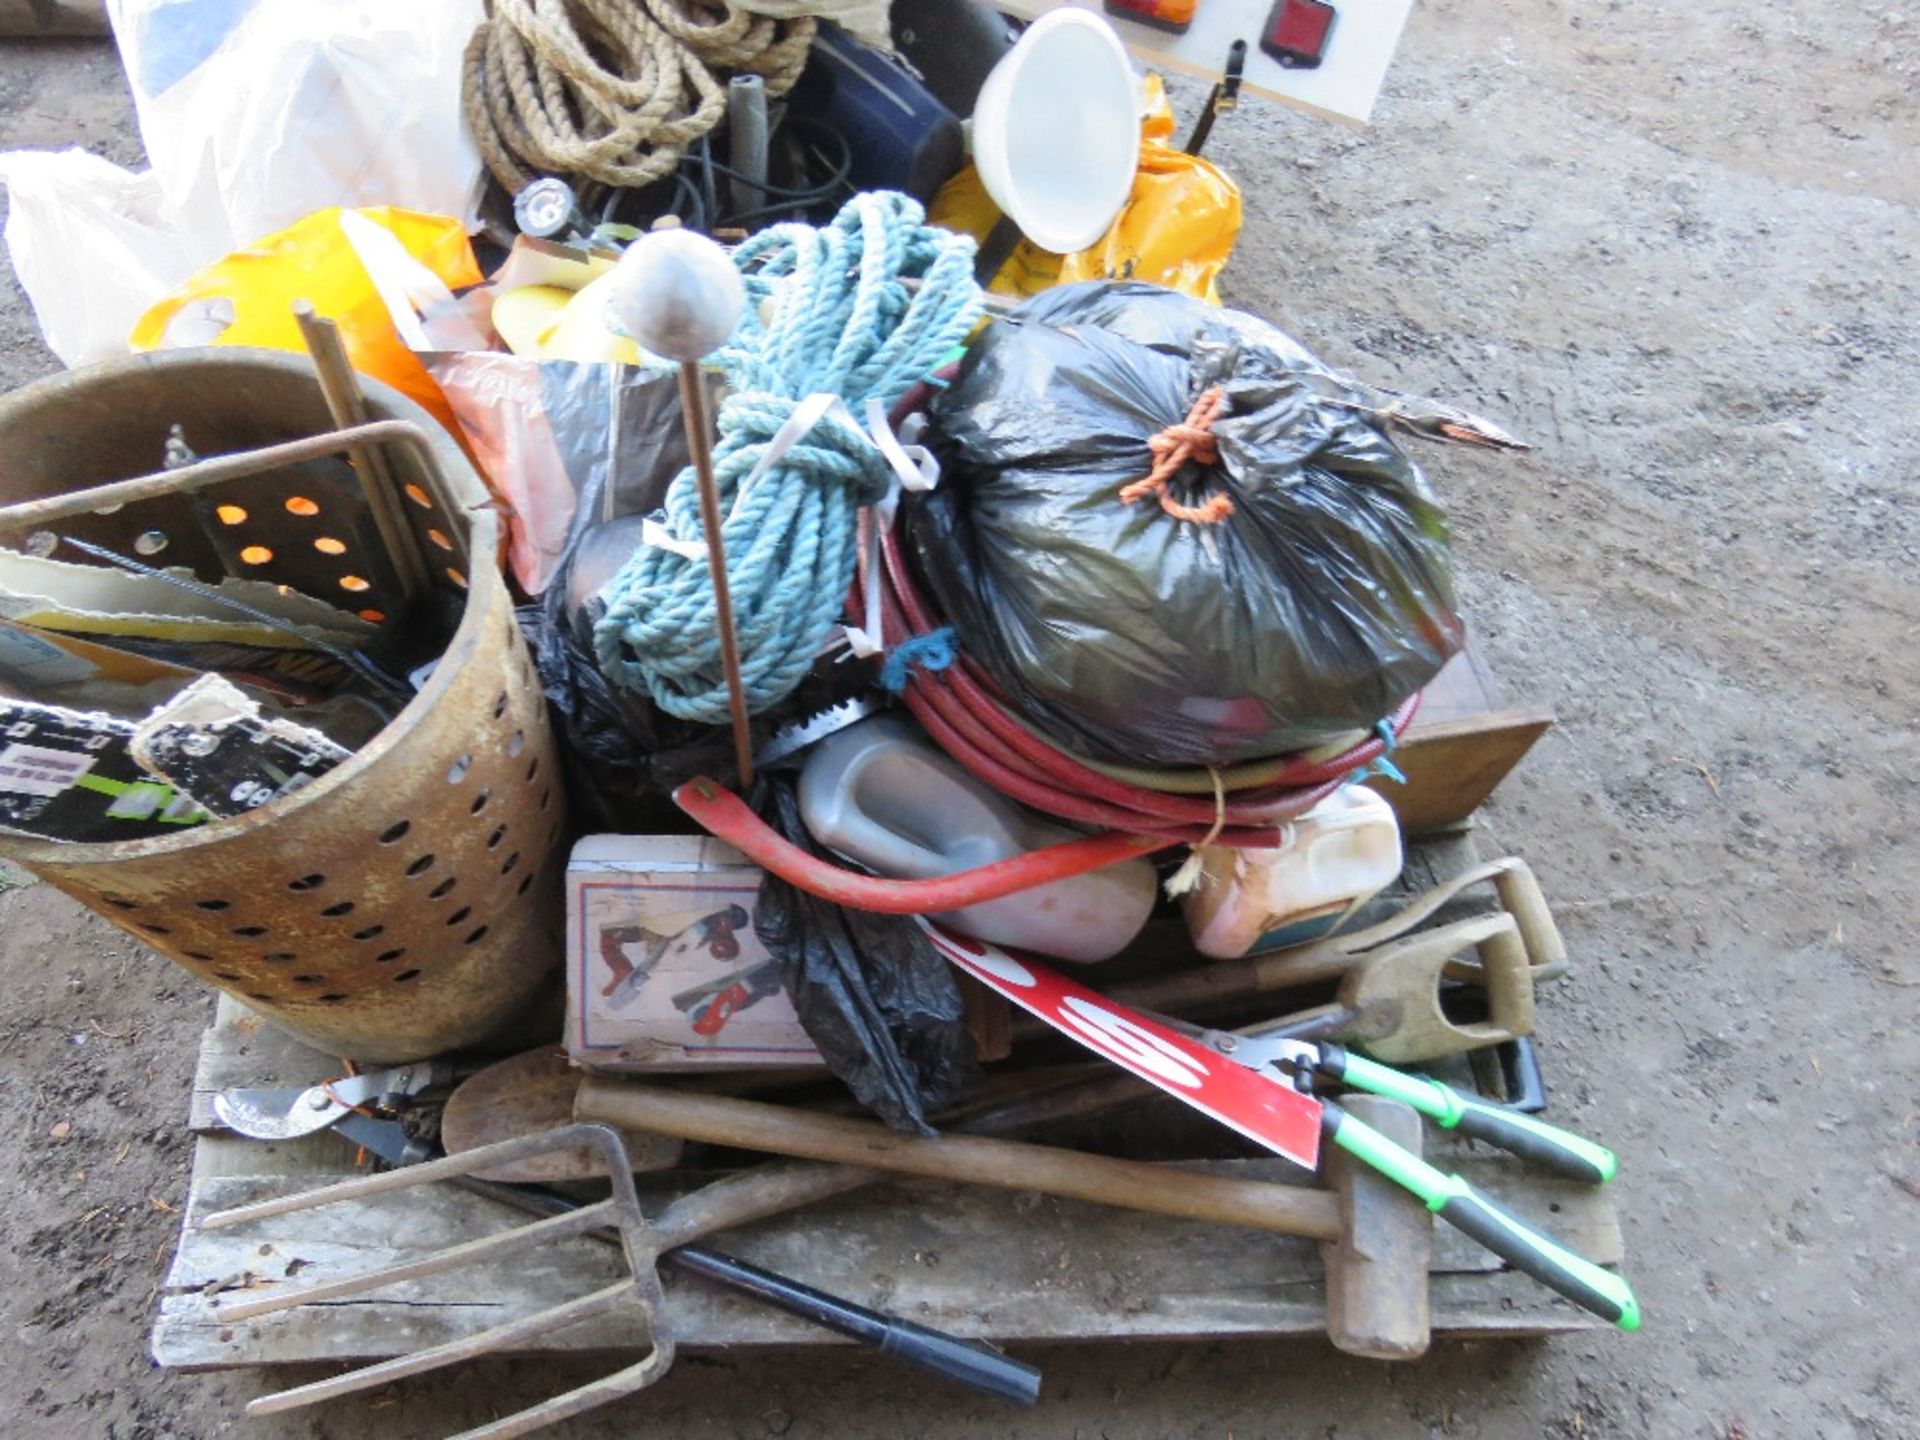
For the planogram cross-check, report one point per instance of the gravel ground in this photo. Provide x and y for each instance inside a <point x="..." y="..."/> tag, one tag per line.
<point x="1677" y="248"/>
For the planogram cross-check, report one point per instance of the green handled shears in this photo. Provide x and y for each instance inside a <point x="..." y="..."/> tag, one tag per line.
<point x="1301" y="1062"/>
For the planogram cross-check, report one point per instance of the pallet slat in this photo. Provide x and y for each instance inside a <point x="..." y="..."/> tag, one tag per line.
<point x="980" y="1263"/>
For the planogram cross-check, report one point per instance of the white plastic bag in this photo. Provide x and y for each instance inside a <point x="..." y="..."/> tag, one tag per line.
<point x="90" y="247"/>
<point x="424" y="311"/>
<point x="264" y="111"/>
<point x="254" y="114"/>
<point x="865" y="18"/>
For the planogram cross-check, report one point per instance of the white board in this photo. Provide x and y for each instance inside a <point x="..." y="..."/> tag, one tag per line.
<point x="1344" y="87"/>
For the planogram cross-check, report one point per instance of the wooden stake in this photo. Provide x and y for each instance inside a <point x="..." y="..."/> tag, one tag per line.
<point x="678" y="295"/>
<point x="693" y="408"/>
<point x="348" y="408"/>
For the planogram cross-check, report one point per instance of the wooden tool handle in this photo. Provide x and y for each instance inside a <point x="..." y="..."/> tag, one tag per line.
<point x="1206" y="989"/>
<point x="975" y="1160"/>
<point x="1520" y="893"/>
<point x="1401" y="981"/>
<point x="1377" y="1302"/>
<point x="347" y="406"/>
<point x="756" y="1194"/>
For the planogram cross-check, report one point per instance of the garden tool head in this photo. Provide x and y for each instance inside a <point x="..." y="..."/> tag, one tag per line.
<point x="639" y="1290"/>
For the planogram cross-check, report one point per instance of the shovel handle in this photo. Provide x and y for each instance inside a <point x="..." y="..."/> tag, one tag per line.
<point x="967" y="1159"/>
<point x="725" y="815"/>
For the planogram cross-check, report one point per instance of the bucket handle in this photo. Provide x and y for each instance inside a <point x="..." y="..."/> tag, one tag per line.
<point x="30" y="514"/>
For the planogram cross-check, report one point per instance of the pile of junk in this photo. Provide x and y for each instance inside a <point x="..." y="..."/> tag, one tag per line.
<point x="643" y="585"/>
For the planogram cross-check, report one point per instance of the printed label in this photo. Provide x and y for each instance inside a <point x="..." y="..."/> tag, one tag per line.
<point x="36" y="770"/>
<point x="35" y="661"/>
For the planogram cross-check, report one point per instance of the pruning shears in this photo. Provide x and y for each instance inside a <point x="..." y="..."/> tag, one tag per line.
<point x="288" y="1114"/>
<point x="1303" y="1064"/>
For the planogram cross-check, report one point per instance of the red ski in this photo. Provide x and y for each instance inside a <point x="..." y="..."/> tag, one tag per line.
<point x="1265" y="1111"/>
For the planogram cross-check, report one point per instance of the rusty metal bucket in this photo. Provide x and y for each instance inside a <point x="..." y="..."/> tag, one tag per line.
<point x="405" y="903"/>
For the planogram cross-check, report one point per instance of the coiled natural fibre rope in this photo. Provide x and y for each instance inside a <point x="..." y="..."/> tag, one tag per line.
<point x="826" y="313"/>
<point x="613" y="90"/>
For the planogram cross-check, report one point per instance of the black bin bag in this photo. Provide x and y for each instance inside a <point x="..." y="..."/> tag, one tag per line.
<point x="870" y="990"/>
<point x="1318" y="605"/>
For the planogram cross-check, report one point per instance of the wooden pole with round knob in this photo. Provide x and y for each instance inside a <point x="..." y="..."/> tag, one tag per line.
<point x="679" y="296"/>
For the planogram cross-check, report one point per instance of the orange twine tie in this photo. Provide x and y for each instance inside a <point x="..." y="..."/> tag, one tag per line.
<point x="1192" y="439"/>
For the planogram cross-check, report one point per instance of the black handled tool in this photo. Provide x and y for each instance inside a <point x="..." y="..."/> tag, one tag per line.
<point x="971" y="1363"/>
<point x="1223" y="98"/>
<point x="1449" y="1196"/>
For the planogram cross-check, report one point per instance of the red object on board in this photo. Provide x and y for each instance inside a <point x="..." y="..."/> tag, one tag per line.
<point x="1266" y="1111"/>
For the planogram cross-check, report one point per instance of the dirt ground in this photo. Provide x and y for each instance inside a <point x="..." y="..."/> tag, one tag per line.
<point x="1678" y="248"/>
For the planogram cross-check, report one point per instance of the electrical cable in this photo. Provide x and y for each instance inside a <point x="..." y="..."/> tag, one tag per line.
<point x="684" y="192"/>
<point x="784" y="200"/>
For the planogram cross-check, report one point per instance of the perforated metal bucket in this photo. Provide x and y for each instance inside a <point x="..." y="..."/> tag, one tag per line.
<point x="405" y="903"/>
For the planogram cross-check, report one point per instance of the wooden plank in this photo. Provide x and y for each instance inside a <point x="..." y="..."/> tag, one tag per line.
<point x="243" y="1049"/>
<point x="1461" y="745"/>
<point x="936" y="1254"/>
<point x="317" y="1156"/>
<point x="1452" y="766"/>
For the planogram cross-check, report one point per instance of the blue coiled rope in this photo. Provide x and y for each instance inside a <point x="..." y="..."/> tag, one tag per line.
<point x="838" y="321"/>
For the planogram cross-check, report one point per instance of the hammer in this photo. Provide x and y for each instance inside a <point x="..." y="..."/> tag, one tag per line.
<point x="1375" y="1237"/>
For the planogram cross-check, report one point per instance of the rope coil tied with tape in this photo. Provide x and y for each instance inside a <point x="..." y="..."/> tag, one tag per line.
<point x="829" y="332"/>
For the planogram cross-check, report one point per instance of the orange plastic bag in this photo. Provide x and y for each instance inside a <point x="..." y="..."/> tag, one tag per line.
<point x="1177" y="228"/>
<point x="247" y="298"/>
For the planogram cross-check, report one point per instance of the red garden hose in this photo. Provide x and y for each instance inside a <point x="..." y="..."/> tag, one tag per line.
<point x="969" y="723"/>
<point x="726" y="815"/>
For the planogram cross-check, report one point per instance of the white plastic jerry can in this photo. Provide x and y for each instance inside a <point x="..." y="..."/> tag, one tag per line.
<point x="881" y="794"/>
<point x="1333" y="859"/>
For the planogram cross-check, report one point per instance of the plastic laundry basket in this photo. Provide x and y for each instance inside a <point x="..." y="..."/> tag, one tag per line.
<point x="405" y="903"/>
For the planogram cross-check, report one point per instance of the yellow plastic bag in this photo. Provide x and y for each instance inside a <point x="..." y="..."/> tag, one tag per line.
<point x="1177" y="228"/>
<point x="247" y="298"/>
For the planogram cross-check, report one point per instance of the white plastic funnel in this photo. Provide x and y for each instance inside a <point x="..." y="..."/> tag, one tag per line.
<point x="1056" y="131"/>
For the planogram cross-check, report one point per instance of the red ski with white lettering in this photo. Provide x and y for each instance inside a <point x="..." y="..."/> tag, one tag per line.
<point x="1265" y="1111"/>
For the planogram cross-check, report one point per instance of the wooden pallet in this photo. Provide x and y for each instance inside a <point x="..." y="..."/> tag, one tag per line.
<point x="980" y="1263"/>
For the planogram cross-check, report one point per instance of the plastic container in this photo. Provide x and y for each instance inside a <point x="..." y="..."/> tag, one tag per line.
<point x="881" y="795"/>
<point x="1335" y="858"/>
<point x="1056" y="131"/>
